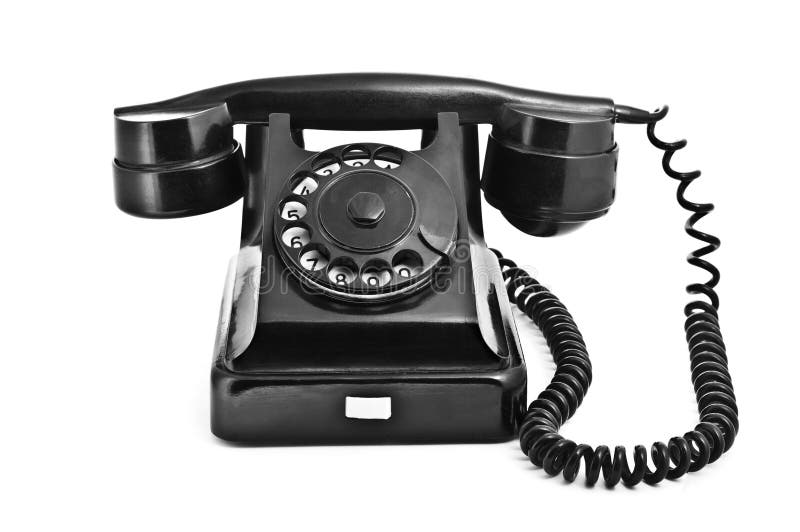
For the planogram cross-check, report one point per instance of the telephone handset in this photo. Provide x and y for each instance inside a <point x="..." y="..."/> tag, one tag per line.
<point x="364" y="305"/>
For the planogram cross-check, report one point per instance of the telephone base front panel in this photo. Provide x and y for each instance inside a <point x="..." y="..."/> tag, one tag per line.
<point x="315" y="409"/>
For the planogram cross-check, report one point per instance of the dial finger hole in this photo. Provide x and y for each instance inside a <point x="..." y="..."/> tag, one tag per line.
<point x="342" y="271"/>
<point x="407" y="264"/>
<point x="314" y="257"/>
<point x="325" y="164"/>
<point x="303" y="184"/>
<point x="293" y="210"/>
<point x="388" y="158"/>
<point x="376" y="273"/>
<point x="356" y="156"/>
<point x="296" y="236"/>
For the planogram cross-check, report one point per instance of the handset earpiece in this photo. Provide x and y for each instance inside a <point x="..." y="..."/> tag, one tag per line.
<point x="550" y="171"/>
<point x="171" y="163"/>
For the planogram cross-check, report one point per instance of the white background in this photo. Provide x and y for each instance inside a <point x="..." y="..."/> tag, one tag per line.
<point x="109" y="320"/>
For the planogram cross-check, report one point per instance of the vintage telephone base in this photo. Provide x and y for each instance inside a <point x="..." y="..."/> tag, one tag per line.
<point x="442" y="363"/>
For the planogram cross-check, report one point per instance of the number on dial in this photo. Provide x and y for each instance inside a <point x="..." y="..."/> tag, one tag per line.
<point x="313" y="260"/>
<point x="293" y="210"/>
<point x="304" y="186"/>
<point x="295" y="237"/>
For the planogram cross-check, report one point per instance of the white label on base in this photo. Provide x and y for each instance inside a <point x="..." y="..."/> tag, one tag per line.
<point x="368" y="407"/>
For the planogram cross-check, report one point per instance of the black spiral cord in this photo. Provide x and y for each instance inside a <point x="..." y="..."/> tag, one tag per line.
<point x="719" y="423"/>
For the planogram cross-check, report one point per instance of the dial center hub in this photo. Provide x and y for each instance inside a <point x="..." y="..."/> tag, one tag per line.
<point x="366" y="208"/>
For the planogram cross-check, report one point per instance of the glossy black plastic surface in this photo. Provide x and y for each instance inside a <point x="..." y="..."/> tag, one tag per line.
<point x="549" y="172"/>
<point x="307" y="326"/>
<point x="172" y="164"/>
<point x="178" y="157"/>
<point x="291" y="346"/>
<point x="447" y="355"/>
<point x="363" y="101"/>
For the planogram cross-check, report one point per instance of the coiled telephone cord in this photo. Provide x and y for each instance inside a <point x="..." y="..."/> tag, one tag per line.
<point x="719" y="422"/>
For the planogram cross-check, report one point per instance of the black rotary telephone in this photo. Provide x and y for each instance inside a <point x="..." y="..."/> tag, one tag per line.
<point x="364" y="305"/>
